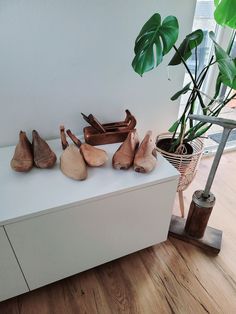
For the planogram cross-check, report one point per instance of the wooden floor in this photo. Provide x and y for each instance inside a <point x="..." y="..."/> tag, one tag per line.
<point x="172" y="277"/>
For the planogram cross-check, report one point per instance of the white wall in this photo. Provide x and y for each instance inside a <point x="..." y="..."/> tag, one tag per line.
<point x="62" y="57"/>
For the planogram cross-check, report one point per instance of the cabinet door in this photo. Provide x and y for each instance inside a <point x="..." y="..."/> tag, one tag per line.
<point x="12" y="281"/>
<point x="56" y="245"/>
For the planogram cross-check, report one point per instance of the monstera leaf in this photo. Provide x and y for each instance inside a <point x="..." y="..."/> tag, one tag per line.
<point x="155" y="40"/>
<point x="190" y="42"/>
<point x="225" y="13"/>
<point x="227" y="66"/>
<point x="228" y="81"/>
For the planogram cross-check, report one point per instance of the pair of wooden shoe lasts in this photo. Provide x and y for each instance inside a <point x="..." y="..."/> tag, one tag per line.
<point x="27" y="155"/>
<point x="143" y="157"/>
<point x="77" y="156"/>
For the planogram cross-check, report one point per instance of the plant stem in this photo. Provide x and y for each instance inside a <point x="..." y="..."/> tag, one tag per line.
<point x="180" y="121"/>
<point x="191" y="76"/>
<point x="206" y="68"/>
<point x="199" y="125"/>
<point x="196" y="63"/>
<point x="231" y="42"/>
<point x="230" y="90"/>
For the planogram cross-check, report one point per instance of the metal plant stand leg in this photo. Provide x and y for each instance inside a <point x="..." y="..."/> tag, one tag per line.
<point x="181" y="203"/>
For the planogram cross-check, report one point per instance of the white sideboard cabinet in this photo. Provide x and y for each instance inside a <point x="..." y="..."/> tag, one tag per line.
<point x="12" y="281"/>
<point x="57" y="227"/>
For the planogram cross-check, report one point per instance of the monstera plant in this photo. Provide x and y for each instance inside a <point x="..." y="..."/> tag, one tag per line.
<point x="158" y="37"/>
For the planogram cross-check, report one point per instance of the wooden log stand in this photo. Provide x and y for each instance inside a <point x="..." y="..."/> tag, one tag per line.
<point x="211" y="241"/>
<point x="195" y="229"/>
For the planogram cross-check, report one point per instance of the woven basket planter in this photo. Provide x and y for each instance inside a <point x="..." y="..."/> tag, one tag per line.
<point x="185" y="164"/>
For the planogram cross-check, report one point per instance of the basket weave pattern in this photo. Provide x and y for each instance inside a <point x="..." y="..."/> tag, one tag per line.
<point x="185" y="164"/>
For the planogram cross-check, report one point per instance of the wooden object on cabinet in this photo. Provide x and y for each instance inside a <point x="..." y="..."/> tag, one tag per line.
<point x="115" y="132"/>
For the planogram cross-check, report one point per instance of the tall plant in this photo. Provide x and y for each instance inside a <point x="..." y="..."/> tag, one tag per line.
<point x="157" y="38"/>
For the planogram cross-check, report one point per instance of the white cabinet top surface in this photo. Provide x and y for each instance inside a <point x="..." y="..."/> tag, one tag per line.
<point x="43" y="190"/>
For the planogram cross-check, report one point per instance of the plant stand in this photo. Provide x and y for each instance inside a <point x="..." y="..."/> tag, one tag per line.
<point x="211" y="241"/>
<point x="181" y="202"/>
<point x="185" y="164"/>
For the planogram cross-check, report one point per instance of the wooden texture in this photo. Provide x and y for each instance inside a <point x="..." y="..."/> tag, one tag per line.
<point x="146" y="157"/>
<point x="198" y="217"/>
<point x="72" y="163"/>
<point x="22" y="159"/>
<point x="181" y="203"/>
<point x="211" y="241"/>
<point x="44" y="157"/>
<point x="92" y="136"/>
<point x="173" y="277"/>
<point x="124" y="156"/>
<point x="115" y="132"/>
<point x="93" y="156"/>
<point x="94" y="123"/>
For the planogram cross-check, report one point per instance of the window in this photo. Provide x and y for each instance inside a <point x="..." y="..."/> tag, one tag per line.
<point x="204" y="19"/>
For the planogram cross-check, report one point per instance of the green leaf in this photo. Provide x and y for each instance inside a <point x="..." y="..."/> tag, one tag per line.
<point x="227" y="66"/>
<point x="227" y="82"/>
<point x="174" y="127"/>
<point x="153" y="42"/>
<point x="225" y="13"/>
<point x="218" y="86"/>
<point x="184" y="90"/>
<point x="190" y="42"/>
<point x="202" y="130"/>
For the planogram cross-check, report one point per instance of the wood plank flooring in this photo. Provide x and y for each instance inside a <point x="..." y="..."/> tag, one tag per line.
<point x="172" y="277"/>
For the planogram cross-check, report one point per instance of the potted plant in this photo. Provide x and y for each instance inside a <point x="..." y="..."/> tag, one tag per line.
<point x="183" y="145"/>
